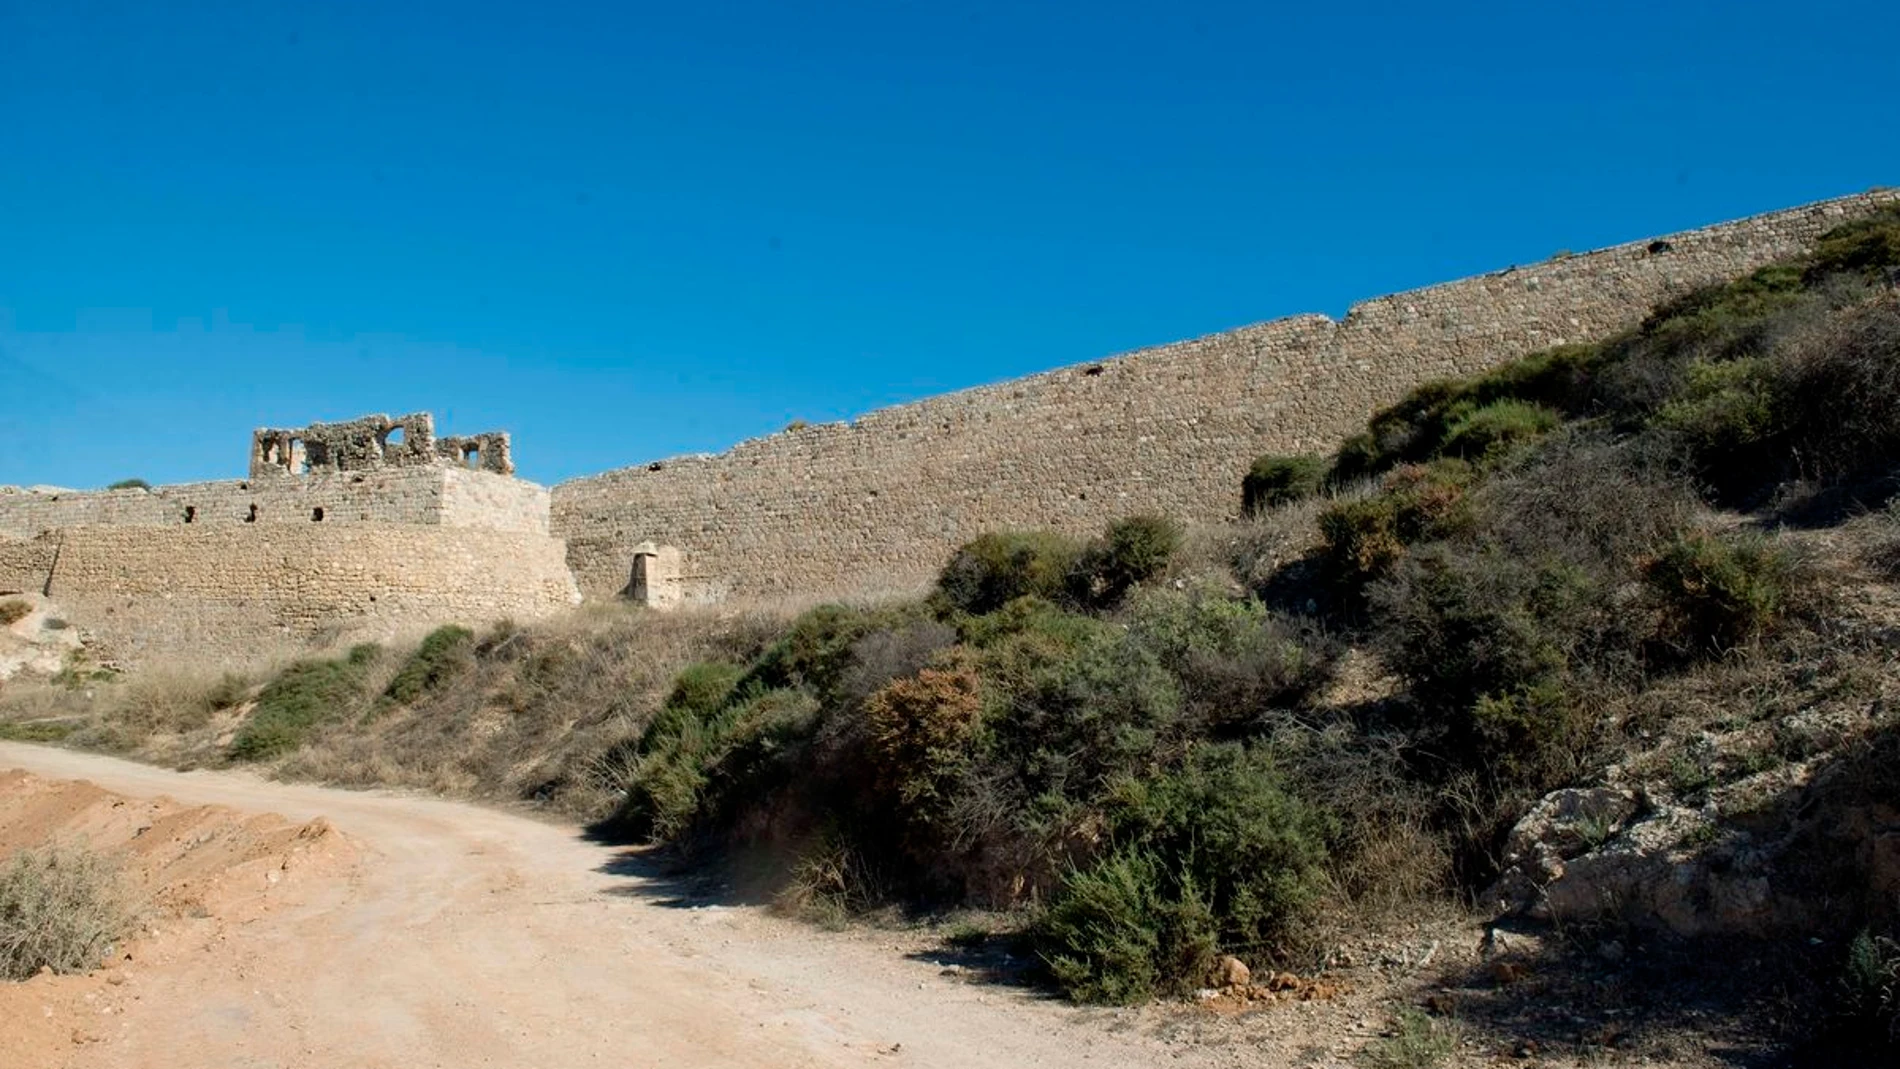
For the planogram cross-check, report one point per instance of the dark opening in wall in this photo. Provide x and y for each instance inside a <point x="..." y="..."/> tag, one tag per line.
<point x="191" y="513"/>
<point x="316" y="514"/>
<point x="472" y="456"/>
<point x="251" y="516"/>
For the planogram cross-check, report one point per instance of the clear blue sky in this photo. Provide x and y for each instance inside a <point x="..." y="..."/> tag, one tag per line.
<point x="625" y="231"/>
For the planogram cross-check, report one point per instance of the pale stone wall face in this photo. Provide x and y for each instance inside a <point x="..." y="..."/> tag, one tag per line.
<point x="419" y="496"/>
<point x="215" y="572"/>
<point x="398" y="496"/>
<point x="24" y="564"/>
<point x="878" y="503"/>
<point x="481" y="499"/>
<point x="218" y="593"/>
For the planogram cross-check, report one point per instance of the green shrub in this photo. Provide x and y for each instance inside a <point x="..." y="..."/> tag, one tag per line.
<point x="1026" y="638"/>
<point x="1722" y="321"/>
<point x="1045" y="620"/>
<point x="1482" y="432"/>
<point x="996" y="568"/>
<point x="1118" y="933"/>
<point x="1233" y="658"/>
<point x="1216" y="855"/>
<point x="37" y="730"/>
<point x="13" y="610"/>
<point x="1085" y="718"/>
<point x="1718" y="592"/>
<point x="672" y="754"/>
<point x="1727" y="417"/>
<point x="302" y="696"/>
<point x="1557" y="378"/>
<point x="130" y="484"/>
<point x="60" y="908"/>
<point x="815" y="651"/>
<point x="1244" y="844"/>
<point x="1407" y="432"/>
<point x="1130" y="552"/>
<point x="1364" y="538"/>
<point x="703" y="688"/>
<point x="1865" y="247"/>
<point x="1492" y="645"/>
<point x="1870" y="986"/>
<point x="444" y="653"/>
<point x="1513" y="402"/>
<point x="1278" y="480"/>
<point x="749" y="752"/>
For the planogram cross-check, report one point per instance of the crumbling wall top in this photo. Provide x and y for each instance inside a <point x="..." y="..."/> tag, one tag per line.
<point x="371" y="443"/>
<point x="488" y="451"/>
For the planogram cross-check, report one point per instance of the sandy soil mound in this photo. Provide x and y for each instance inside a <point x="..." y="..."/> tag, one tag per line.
<point x="194" y="871"/>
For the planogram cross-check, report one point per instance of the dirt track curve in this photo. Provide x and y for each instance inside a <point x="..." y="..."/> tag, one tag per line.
<point x="462" y="936"/>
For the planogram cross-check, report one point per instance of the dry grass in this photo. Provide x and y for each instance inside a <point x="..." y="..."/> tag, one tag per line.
<point x="61" y="908"/>
<point x="1881" y="547"/>
<point x="539" y="712"/>
<point x="158" y="708"/>
<point x="1262" y="553"/>
<point x="1415" y="1041"/>
<point x="165" y="714"/>
<point x="536" y="715"/>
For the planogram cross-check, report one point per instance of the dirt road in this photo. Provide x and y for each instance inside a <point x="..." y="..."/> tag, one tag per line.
<point x="464" y="936"/>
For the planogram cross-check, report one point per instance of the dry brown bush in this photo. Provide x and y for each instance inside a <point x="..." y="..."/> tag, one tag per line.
<point x="919" y="728"/>
<point x="61" y="908"/>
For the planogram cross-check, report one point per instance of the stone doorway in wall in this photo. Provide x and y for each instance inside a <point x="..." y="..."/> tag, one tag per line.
<point x="655" y="578"/>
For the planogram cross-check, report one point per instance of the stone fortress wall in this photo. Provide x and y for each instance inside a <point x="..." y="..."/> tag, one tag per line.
<point x="428" y="496"/>
<point x="878" y="503"/>
<point x="378" y="526"/>
<point x="336" y="538"/>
